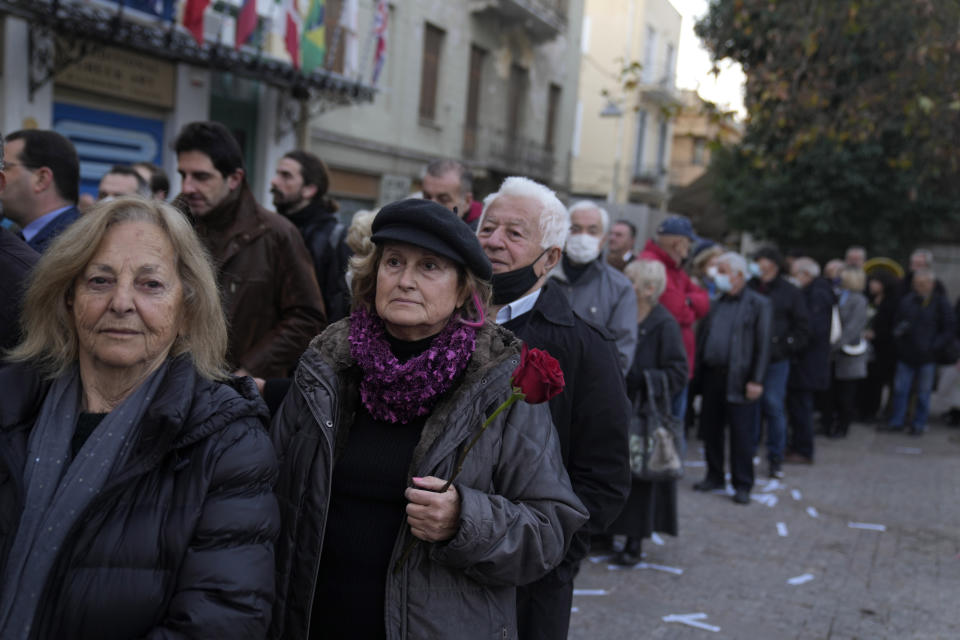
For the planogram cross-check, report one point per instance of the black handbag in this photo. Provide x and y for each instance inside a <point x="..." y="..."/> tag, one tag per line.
<point x="654" y="432"/>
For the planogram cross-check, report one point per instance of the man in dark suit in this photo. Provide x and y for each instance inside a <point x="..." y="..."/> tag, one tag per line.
<point x="16" y="261"/>
<point x="43" y="181"/>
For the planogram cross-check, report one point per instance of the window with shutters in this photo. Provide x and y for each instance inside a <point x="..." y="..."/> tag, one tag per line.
<point x="553" y="112"/>
<point x="474" y="83"/>
<point x="430" y="71"/>
<point x="516" y="101"/>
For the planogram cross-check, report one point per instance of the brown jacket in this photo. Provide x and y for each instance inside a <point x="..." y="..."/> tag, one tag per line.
<point x="270" y="294"/>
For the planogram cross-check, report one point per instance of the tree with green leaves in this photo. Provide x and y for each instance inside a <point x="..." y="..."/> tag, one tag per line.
<point x="853" y="128"/>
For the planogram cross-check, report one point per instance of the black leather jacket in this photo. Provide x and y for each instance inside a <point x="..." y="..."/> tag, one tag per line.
<point x="750" y="343"/>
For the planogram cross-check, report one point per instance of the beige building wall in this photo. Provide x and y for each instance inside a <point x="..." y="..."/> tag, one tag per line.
<point x="389" y="144"/>
<point x="611" y="159"/>
<point x="693" y="130"/>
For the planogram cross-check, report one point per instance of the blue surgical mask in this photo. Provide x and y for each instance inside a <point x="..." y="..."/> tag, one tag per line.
<point x="754" y="269"/>
<point x="722" y="280"/>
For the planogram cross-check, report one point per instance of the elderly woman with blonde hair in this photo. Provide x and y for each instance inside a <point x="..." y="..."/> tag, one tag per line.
<point x="135" y="475"/>
<point x="652" y="505"/>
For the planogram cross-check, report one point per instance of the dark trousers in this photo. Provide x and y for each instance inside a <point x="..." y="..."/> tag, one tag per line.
<point x="715" y="414"/>
<point x="800" y="409"/>
<point x="843" y="407"/>
<point x="543" y="609"/>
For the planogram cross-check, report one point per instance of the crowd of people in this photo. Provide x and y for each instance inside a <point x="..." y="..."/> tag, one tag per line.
<point x="218" y="420"/>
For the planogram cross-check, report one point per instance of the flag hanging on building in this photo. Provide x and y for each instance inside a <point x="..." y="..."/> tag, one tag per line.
<point x="286" y="25"/>
<point x="313" y="45"/>
<point x="380" y="33"/>
<point x="246" y="22"/>
<point x="193" y="18"/>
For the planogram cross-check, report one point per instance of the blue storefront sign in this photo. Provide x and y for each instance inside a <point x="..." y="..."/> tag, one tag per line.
<point x="106" y="138"/>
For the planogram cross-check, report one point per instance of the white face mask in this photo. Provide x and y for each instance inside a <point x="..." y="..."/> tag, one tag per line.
<point x="723" y="283"/>
<point x="583" y="248"/>
<point x="712" y="272"/>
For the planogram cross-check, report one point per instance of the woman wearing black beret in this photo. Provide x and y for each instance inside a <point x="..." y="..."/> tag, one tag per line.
<point x="375" y="542"/>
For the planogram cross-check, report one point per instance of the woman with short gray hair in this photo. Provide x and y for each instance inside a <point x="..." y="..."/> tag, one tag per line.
<point x="652" y="506"/>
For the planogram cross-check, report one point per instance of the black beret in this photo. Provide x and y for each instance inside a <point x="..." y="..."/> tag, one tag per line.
<point x="426" y="224"/>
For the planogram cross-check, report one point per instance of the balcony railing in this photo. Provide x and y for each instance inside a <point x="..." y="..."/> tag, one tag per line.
<point x="496" y="150"/>
<point x="543" y="19"/>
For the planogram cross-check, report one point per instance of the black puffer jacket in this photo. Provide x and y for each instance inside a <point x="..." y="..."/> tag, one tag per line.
<point x="179" y="544"/>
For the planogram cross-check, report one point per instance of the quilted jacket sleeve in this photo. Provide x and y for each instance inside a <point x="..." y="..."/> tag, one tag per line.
<point x="521" y="531"/>
<point x="225" y="587"/>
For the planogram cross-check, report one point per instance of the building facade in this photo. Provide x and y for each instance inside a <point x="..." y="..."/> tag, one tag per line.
<point x="492" y="83"/>
<point x="626" y="100"/>
<point x="695" y="127"/>
<point x="121" y="77"/>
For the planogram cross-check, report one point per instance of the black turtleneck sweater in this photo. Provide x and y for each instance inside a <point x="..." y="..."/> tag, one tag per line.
<point x="367" y="510"/>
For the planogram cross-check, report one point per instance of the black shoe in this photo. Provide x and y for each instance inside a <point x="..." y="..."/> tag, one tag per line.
<point x="742" y="496"/>
<point x="708" y="485"/>
<point x="776" y="471"/>
<point x="630" y="555"/>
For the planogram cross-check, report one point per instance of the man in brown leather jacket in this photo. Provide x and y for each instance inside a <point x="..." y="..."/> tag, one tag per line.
<point x="270" y="294"/>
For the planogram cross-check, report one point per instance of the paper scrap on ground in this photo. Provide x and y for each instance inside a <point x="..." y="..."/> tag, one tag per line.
<point x="867" y="525"/>
<point x="691" y="620"/>
<point x="765" y="498"/>
<point x="656" y="539"/>
<point x="646" y="565"/>
<point x="812" y="512"/>
<point x="782" y="529"/>
<point x="807" y="577"/>
<point x="773" y="485"/>
<point x="726" y="491"/>
<point x="796" y="494"/>
<point x="913" y="451"/>
<point x="574" y="609"/>
<point x="600" y="559"/>
<point x="590" y="592"/>
<point x="694" y="463"/>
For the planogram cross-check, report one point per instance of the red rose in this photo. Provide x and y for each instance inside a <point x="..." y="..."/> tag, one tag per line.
<point x="538" y="376"/>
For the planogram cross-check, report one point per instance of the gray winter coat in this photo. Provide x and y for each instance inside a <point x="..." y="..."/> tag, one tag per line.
<point x="605" y="297"/>
<point x="853" y="319"/>
<point x="518" y="512"/>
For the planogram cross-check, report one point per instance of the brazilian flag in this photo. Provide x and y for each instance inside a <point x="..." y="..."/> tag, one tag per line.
<point x="313" y="44"/>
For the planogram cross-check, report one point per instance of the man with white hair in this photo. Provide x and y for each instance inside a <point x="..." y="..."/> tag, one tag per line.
<point x="597" y="291"/>
<point x="522" y="231"/>
<point x="733" y="349"/>
<point x="810" y="371"/>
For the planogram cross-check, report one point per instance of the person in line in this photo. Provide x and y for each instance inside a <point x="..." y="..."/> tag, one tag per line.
<point x="882" y="292"/>
<point x="924" y="327"/>
<point x="383" y="534"/>
<point x="300" y="190"/>
<point x="789" y="337"/>
<point x="43" y="185"/>
<point x="849" y="353"/>
<point x="686" y="301"/>
<point x="855" y="256"/>
<point x="596" y="290"/>
<point x="733" y="348"/>
<point x="270" y="294"/>
<point x="523" y="231"/>
<point x="122" y="180"/>
<point x="621" y="243"/>
<point x="156" y="179"/>
<point x="810" y="369"/>
<point x="450" y="183"/>
<point x="16" y="263"/>
<point x="136" y="481"/>
<point x="652" y="506"/>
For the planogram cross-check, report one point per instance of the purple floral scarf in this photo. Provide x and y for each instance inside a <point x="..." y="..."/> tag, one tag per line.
<point x="399" y="392"/>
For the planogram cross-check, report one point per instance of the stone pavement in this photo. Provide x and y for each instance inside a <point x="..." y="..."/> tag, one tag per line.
<point x="901" y="583"/>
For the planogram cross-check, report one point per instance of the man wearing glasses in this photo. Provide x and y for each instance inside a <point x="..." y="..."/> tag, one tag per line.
<point x="43" y="176"/>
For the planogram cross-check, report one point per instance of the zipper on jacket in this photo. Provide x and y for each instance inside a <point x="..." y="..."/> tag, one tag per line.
<point x="326" y="507"/>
